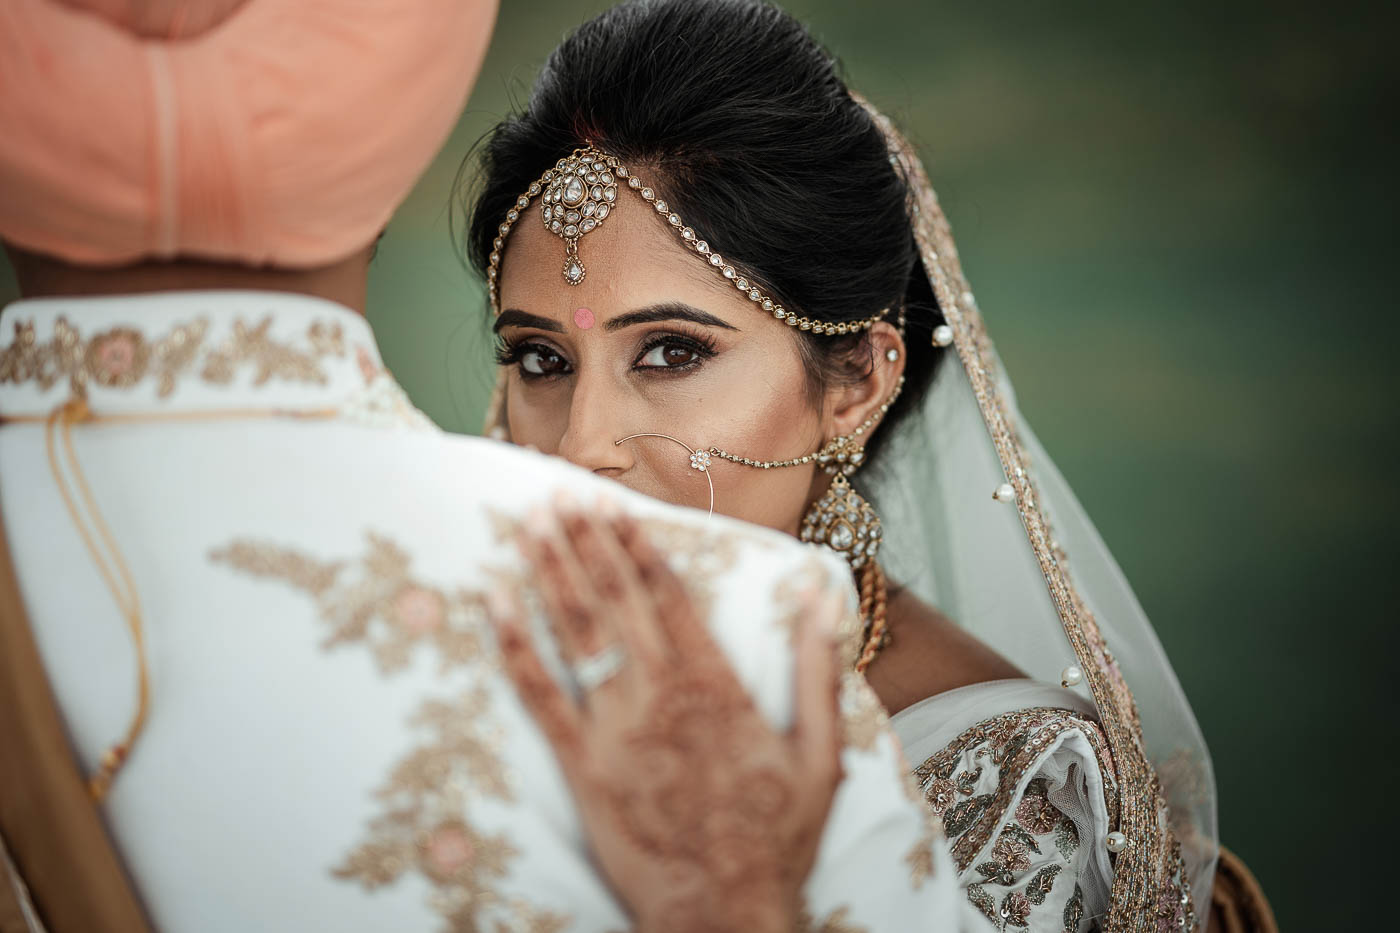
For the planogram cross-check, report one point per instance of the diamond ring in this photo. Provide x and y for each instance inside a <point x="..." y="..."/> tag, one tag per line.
<point x="592" y="672"/>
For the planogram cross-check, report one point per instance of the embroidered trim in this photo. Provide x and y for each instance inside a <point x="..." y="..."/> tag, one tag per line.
<point x="1013" y="743"/>
<point x="122" y="357"/>
<point x="863" y="719"/>
<point x="1010" y="864"/>
<point x="1150" y="871"/>
<point x="788" y="596"/>
<point x="421" y="828"/>
<point x="838" y="921"/>
<point x="919" y="858"/>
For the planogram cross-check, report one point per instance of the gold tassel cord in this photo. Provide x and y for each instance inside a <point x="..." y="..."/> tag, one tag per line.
<point x="115" y="572"/>
<point x="102" y="546"/>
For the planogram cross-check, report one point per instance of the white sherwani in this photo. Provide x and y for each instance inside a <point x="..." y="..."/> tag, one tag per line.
<point x="330" y="746"/>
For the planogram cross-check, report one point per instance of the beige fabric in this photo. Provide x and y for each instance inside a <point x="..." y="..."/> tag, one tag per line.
<point x="52" y="831"/>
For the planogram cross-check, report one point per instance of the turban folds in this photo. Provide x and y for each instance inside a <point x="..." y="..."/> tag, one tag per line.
<point x="263" y="132"/>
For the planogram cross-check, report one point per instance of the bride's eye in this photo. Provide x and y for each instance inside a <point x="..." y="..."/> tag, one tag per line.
<point x="534" y="360"/>
<point x="673" y="352"/>
<point x="542" y="361"/>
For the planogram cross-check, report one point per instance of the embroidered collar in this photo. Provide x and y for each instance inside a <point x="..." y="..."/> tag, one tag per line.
<point x="185" y="351"/>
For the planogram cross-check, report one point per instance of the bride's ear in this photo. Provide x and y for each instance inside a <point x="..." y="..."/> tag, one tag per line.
<point x="851" y="402"/>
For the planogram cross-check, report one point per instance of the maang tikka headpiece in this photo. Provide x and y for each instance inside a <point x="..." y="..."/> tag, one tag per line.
<point x="581" y="191"/>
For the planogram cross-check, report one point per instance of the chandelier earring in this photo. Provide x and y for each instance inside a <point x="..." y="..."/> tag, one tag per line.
<point x="841" y="519"/>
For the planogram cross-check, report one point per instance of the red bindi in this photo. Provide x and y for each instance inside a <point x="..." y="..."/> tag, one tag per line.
<point x="583" y="318"/>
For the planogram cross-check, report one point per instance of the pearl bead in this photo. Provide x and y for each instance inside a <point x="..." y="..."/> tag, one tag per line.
<point x="892" y="355"/>
<point x="1004" y="493"/>
<point x="1116" y="842"/>
<point x="1071" y="676"/>
<point x="942" y="335"/>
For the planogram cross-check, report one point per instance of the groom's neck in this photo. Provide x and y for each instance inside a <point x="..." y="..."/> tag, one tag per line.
<point x="39" y="276"/>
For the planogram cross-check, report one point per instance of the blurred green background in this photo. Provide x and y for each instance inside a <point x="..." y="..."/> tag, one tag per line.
<point x="1178" y="221"/>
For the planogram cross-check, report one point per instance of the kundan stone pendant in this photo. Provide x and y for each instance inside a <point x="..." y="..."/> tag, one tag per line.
<point x="574" y="270"/>
<point x="843" y="521"/>
<point x="577" y="200"/>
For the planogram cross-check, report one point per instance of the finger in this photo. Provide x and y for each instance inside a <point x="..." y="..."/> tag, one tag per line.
<point x="816" y="729"/>
<point x="622" y="594"/>
<point x="554" y="710"/>
<point x="681" y="625"/>
<point x="568" y="600"/>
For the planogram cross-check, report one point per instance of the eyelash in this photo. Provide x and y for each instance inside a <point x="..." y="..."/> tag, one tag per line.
<point x="512" y="353"/>
<point x="702" y="345"/>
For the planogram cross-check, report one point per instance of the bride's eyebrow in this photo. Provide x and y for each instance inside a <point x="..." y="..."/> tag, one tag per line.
<point x="670" y="311"/>
<point x="514" y="318"/>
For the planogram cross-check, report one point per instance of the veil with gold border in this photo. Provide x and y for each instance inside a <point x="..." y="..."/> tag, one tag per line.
<point x="1032" y="578"/>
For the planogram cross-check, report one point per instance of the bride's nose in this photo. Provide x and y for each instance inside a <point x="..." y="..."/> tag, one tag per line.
<point x="594" y="414"/>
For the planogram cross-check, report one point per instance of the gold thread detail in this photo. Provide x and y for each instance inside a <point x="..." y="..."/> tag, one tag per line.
<point x="105" y="553"/>
<point x="378" y="601"/>
<point x="122" y="358"/>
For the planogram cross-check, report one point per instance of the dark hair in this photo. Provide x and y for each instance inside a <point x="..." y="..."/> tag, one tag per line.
<point x="744" y="124"/>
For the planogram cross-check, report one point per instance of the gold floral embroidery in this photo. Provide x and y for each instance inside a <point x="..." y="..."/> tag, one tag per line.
<point x="421" y="828"/>
<point x="122" y="357"/>
<point x="116" y="358"/>
<point x="838" y="921"/>
<point x="788" y="596"/>
<point x="862" y="716"/>
<point x="791" y="590"/>
<point x="920" y="859"/>
<point x="271" y="358"/>
<point x="1011" y="744"/>
<point x="696" y="554"/>
<point x="525" y="919"/>
<point x="863" y="719"/>
<point x="1026" y="868"/>
<point x="175" y="353"/>
<point x="381" y="605"/>
<point x="26" y="359"/>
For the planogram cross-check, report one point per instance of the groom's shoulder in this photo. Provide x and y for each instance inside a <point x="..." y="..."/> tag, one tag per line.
<point x="461" y="478"/>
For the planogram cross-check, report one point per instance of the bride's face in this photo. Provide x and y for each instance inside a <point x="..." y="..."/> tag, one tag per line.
<point x="654" y="341"/>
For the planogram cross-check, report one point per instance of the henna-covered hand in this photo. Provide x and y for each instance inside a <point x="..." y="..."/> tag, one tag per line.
<point x="702" y="815"/>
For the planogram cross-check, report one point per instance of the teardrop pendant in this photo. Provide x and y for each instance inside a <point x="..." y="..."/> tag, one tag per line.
<point x="574" y="270"/>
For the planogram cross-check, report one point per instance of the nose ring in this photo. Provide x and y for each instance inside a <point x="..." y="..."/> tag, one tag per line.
<point x="699" y="459"/>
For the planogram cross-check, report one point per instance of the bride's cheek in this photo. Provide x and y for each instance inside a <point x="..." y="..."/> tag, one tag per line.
<point x="536" y="419"/>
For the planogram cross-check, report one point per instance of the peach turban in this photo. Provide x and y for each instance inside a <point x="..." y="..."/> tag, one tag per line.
<point x="264" y="132"/>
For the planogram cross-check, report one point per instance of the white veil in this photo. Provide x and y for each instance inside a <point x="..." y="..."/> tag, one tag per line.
<point x="1028" y="574"/>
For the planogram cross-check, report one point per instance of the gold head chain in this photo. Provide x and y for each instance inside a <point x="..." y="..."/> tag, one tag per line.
<point x="580" y="193"/>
